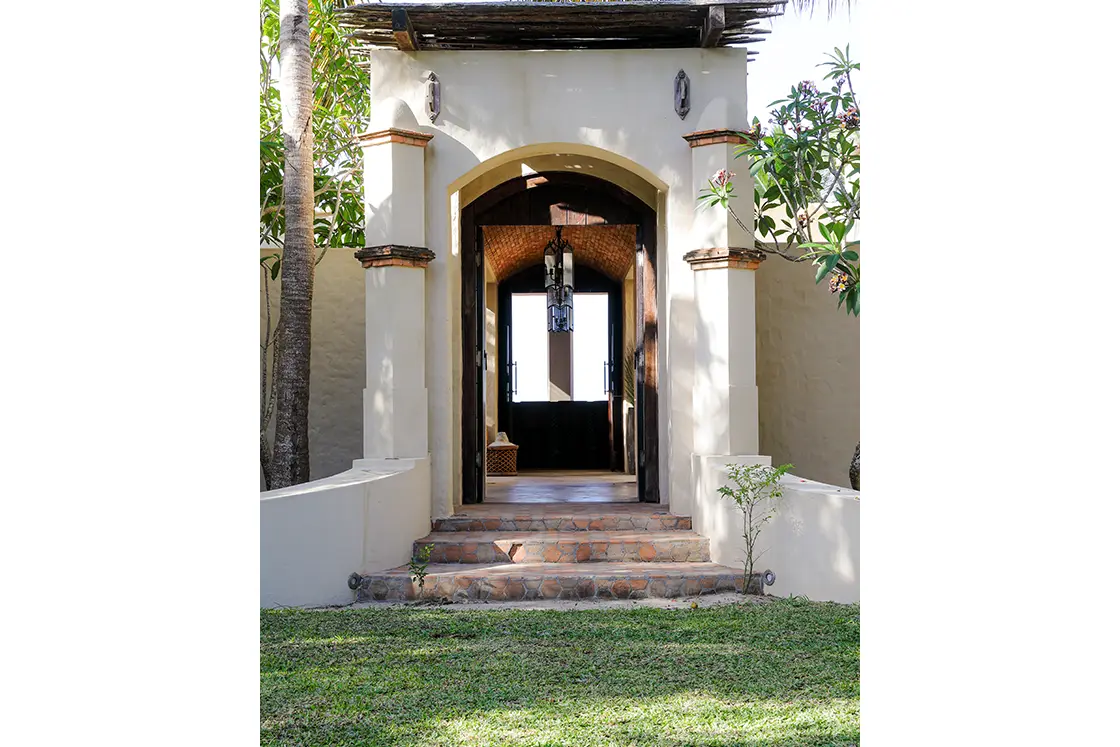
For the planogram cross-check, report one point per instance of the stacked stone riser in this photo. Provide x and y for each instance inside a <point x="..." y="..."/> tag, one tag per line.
<point x="474" y="586"/>
<point x="548" y="552"/>
<point x="552" y="550"/>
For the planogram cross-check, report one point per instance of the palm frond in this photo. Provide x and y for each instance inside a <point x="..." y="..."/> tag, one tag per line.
<point x="808" y="6"/>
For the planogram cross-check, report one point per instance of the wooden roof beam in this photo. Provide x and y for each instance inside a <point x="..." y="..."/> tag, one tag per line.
<point x="714" y="23"/>
<point x="403" y="31"/>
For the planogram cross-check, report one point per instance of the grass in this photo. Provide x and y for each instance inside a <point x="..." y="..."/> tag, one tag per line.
<point x="782" y="673"/>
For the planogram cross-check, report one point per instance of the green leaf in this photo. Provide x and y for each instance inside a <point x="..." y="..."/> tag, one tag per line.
<point x="849" y="255"/>
<point x="276" y="269"/>
<point x="826" y="266"/>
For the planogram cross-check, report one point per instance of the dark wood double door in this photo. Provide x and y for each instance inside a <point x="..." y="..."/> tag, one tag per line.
<point x="571" y="434"/>
<point x="559" y="435"/>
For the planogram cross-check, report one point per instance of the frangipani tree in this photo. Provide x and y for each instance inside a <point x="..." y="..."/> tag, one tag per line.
<point x="806" y="165"/>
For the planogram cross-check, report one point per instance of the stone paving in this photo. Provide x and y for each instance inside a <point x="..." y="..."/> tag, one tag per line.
<point x="511" y="582"/>
<point x="511" y="552"/>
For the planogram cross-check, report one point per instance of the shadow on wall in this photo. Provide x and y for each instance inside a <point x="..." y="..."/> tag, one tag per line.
<point x="682" y="322"/>
<point x="337" y="361"/>
<point x="808" y="373"/>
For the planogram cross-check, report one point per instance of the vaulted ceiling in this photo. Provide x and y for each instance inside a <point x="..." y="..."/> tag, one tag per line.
<point x="606" y="248"/>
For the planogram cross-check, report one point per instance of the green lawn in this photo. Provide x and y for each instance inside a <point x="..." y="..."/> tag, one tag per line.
<point x="782" y="673"/>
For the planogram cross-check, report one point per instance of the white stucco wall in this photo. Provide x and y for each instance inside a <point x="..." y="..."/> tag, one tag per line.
<point x="337" y="360"/>
<point x="313" y="536"/>
<point x="808" y="373"/>
<point x="812" y="544"/>
<point x="608" y="113"/>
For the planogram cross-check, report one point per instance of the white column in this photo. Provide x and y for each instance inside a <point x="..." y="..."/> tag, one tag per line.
<point x="725" y="392"/>
<point x="395" y="399"/>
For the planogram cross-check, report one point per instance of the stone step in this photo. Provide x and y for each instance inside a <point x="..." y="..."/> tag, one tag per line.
<point x="534" y="520"/>
<point x="565" y="547"/>
<point x="523" y="581"/>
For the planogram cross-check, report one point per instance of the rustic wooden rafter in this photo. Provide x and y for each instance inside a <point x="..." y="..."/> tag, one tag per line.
<point x="519" y="25"/>
<point x="713" y="27"/>
<point x="403" y="32"/>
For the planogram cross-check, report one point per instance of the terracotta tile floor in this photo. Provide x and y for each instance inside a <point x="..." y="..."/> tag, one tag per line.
<point x="567" y="486"/>
<point x="560" y="509"/>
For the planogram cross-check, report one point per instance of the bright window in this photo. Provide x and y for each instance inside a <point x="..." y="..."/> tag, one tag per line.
<point x="590" y="347"/>
<point x="529" y="347"/>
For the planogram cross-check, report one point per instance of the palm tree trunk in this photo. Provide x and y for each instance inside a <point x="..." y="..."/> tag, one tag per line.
<point x="291" y="455"/>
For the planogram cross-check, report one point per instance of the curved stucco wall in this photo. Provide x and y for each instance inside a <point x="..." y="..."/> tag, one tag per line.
<point x="313" y="536"/>
<point x="808" y="373"/>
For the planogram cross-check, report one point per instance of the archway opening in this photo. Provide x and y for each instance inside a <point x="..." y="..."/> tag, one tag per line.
<point x="581" y="405"/>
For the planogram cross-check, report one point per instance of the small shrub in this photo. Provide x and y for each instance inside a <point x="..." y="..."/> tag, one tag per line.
<point x="418" y="566"/>
<point x="757" y="493"/>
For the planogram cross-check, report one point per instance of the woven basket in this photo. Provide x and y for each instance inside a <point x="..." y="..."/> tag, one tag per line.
<point x="501" y="460"/>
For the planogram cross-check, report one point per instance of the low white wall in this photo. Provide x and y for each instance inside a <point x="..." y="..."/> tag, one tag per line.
<point x="812" y="545"/>
<point x="313" y="536"/>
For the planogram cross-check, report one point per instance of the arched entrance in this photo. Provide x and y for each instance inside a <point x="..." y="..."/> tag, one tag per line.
<point x="615" y="235"/>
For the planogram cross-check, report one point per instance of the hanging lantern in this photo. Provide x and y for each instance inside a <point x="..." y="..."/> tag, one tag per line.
<point x="559" y="284"/>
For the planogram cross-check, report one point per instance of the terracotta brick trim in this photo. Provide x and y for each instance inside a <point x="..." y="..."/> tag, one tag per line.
<point x="394" y="135"/>
<point x="394" y="255"/>
<point x="725" y="257"/>
<point x="711" y="137"/>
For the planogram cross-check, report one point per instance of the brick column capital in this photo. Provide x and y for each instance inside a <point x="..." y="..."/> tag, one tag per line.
<point x="711" y="137"/>
<point x="725" y="257"/>
<point x="394" y="135"/>
<point x="393" y="255"/>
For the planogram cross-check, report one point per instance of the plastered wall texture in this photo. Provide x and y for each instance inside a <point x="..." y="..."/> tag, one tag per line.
<point x="808" y="373"/>
<point x="337" y="361"/>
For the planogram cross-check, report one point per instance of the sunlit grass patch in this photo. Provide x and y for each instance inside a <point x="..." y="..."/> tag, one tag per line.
<point x="784" y="673"/>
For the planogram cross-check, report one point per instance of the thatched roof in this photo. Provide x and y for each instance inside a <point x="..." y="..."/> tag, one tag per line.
<point x="620" y="24"/>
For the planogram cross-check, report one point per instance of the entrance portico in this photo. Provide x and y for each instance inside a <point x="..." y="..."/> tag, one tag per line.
<point x="465" y="127"/>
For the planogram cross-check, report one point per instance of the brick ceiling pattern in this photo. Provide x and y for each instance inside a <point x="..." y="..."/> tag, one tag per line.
<point x="608" y="249"/>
